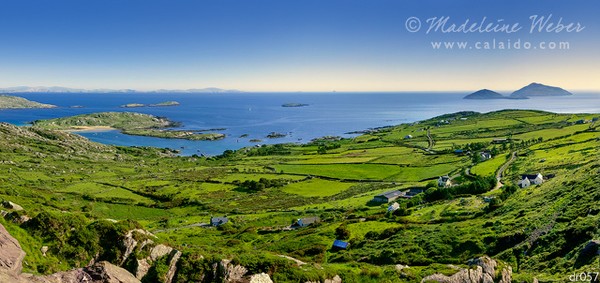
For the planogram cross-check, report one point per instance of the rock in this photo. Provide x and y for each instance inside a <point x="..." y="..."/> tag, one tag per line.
<point x="535" y="280"/>
<point x="11" y="254"/>
<point x="159" y="251"/>
<point x="172" y="266"/>
<point x="399" y="267"/>
<point x="72" y="276"/>
<point x="484" y="272"/>
<point x="142" y="268"/>
<point x="488" y="264"/>
<point x="506" y="275"/>
<point x="3" y="213"/>
<point x="336" y="279"/>
<point x="260" y="278"/>
<point x="44" y="250"/>
<point x="233" y="273"/>
<point x="108" y="273"/>
<point x="12" y="205"/>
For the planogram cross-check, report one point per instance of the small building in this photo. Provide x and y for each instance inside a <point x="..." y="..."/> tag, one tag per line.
<point x="485" y="155"/>
<point x="595" y="119"/>
<point x="488" y="199"/>
<point x="340" y="245"/>
<point x="444" y="181"/>
<point x="307" y="221"/>
<point x="459" y="151"/>
<point x="408" y="137"/>
<point x="500" y="140"/>
<point x="580" y="121"/>
<point x="528" y="180"/>
<point x="216" y="221"/>
<point x="393" y="207"/>
<point x="412" y="192"/>
<point x="388" y="196"/>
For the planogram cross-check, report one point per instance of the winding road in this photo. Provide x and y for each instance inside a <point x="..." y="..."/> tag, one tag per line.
<point x="500" y="172"/>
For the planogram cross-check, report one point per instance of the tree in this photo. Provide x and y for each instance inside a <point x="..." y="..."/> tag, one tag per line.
<point x="342" y="232"/>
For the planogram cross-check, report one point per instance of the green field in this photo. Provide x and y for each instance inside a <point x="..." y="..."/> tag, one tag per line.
<point x="74" y="190"/>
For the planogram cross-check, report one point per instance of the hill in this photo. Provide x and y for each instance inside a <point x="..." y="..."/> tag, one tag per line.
<point x="485" y="94"/>
<point x="68" y="187"/>
<point x="536" y="89"/>
<point x="15" y="102"/>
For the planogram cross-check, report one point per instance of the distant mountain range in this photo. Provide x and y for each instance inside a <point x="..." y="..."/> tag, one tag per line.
<point x="531" y="90"/>
<point x="57" y="89"/>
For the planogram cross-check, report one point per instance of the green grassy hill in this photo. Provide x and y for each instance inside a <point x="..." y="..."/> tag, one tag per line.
<point x="540" y="231"/>
<point x="15" y="102"/>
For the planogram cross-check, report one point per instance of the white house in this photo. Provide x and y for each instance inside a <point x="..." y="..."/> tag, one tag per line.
<point x="486" y="155"/>
<point x="444" y="181"/>
<point x="528" y="180"/>
<point x="393" y="207"/>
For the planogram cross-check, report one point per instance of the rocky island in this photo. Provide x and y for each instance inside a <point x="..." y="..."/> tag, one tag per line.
<point x="294" y="105"/>
<point x="485" y="94"/>
<point x="129" y="123"/>
<point x="160" y="104"/>
<point x="537" y="89"/>
<point x="15" y="102"/>
<point x="531" y="90"/>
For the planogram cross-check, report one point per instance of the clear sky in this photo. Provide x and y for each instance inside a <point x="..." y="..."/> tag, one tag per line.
<point x="279" y="45"/>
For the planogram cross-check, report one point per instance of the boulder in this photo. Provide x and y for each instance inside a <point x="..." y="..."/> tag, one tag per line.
<point x="106" y="272"/>
<point x="482" y="270"/>
<point x="260" y="278"/>
<point x="160" y="251"/>
<point x="335" y="279"/>
<point x="11" y="254"/>
<point x="142" y="268"/>
<point x="12" y="205"/>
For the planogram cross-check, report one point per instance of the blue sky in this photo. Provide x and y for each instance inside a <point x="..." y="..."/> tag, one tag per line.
<point x="280" y="45"/>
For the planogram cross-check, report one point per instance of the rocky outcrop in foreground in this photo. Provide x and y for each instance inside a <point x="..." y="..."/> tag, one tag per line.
<point x="483" y="270"/>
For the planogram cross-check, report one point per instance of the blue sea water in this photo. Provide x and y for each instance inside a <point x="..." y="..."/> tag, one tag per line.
<point x="258" y="114"/>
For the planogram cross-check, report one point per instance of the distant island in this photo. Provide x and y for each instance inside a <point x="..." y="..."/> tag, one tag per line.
<point x="15" y="102"/>
<point x="485" y="94"/>
<point x="531" y="90"/>
<point x="536" y="89"/>
<point x="58" y="89"/>
<point x="294" y="105"/>
<point x="161" y="104"/>
<point x="129" y="123"/>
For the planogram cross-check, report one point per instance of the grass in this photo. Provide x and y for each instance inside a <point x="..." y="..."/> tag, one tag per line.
<point x="316" y="188"/>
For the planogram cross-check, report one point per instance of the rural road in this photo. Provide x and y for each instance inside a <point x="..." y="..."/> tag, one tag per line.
<point x="430" y="139"/>
<point x="500" y="172"/>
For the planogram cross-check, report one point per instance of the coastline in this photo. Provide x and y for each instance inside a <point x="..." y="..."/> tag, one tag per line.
<point x="90" y="129"/>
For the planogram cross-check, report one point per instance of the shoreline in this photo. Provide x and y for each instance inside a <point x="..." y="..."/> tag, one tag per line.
<point x="84" y="129"/>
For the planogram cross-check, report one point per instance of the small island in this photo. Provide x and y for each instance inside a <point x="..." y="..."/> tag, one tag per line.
<point x="485" y="94"/>
<point x="165" y="104"/>
<point x="133" y="105"/>
<point x="294" y="105"/>
<point x="275" y="135"/>
<point x="15" y="102"/>
<point x="129" y="123"/>
<point x="160" y="104"/>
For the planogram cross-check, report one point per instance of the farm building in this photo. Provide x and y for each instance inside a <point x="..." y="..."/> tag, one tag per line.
<point x="528" y="180"/>
<point x="444" y="181"/>
<point x="388" y="196"/>
<point x="485" y="155"/>
<point x="216" y="221"/>
<point x="408" y="137"/>
<point x="303" y="222"/>
<point x="339" y="245"/>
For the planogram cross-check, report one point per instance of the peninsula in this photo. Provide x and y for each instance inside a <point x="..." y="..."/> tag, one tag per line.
<point x="15" y="102"/>
<point x="129" y="123"/>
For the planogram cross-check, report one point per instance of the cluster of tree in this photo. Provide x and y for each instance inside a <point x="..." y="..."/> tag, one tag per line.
<point x="266" y="150"/>
<point x="323" y="148"/>
<point x="261" y="184"/>
<point x="478" y="186"/>
<point x="507" y="191"/>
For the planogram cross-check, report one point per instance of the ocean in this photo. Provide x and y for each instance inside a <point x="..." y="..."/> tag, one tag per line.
<point x="258" y="114"/>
